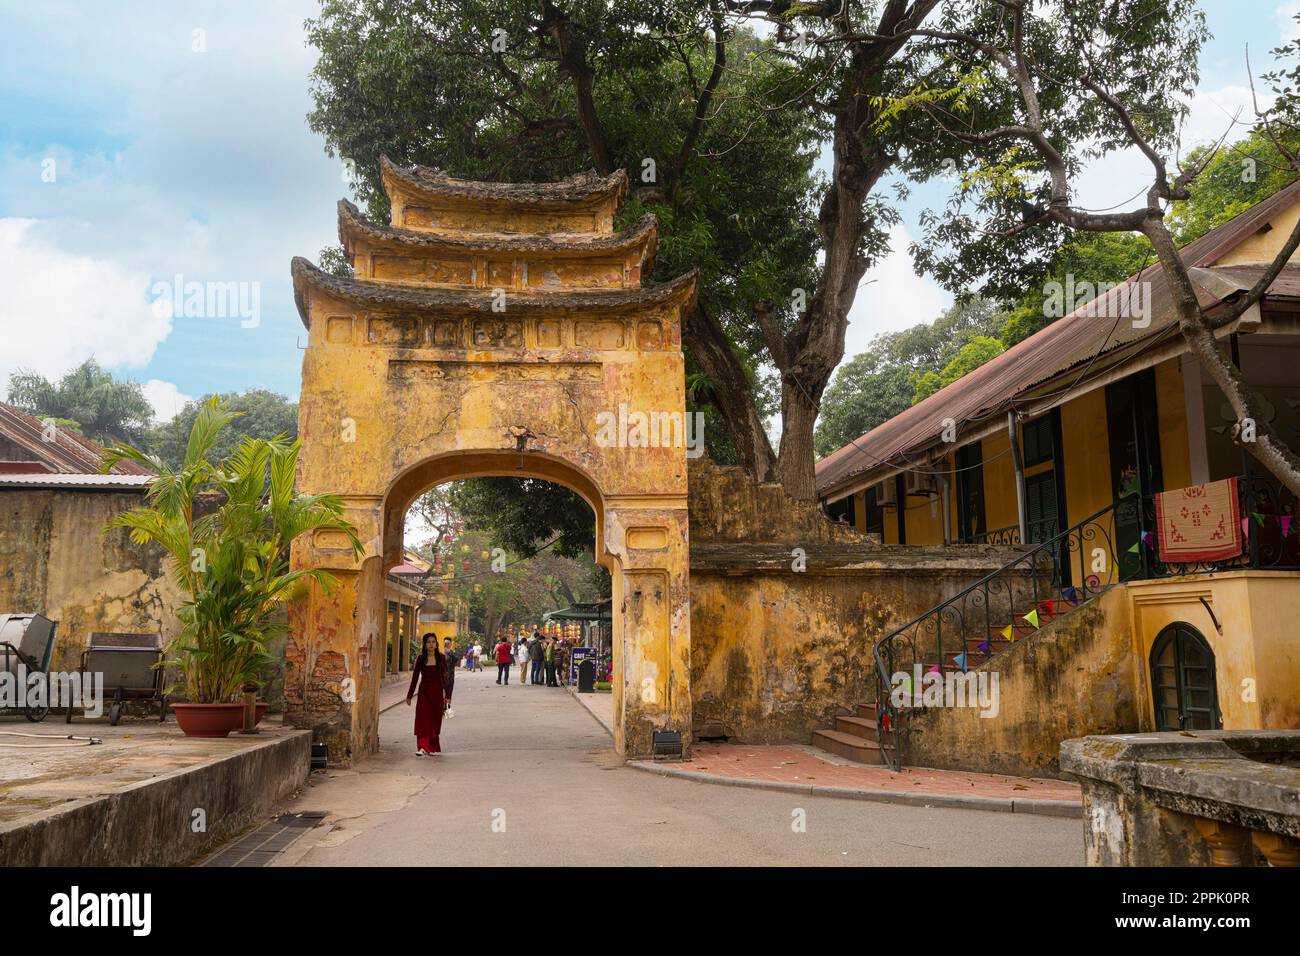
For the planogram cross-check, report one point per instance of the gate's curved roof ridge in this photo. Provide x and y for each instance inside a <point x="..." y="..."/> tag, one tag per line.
<point x="644" y="232"/>
<point x="679" y="292"/>
<point x="581" y="189"/>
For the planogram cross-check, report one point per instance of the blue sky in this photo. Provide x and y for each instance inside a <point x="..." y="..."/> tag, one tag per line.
<point x="176" y="137"/>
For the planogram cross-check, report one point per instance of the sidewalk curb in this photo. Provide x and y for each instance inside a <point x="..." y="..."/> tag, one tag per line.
<point x="1048" y="808"/>
<point x="600" y="723"/>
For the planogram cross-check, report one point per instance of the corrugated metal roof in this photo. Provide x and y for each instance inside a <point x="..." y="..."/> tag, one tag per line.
<point x="1065" y="344"/>
<point x="68" y="453"/>
<point x="67" y="480"/>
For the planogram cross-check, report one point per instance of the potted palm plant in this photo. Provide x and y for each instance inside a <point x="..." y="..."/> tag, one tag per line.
<point x="227" y="527"/>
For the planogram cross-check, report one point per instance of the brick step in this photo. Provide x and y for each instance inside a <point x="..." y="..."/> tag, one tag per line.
<point x="848" y="746"/>
<point x="864" y="727"/>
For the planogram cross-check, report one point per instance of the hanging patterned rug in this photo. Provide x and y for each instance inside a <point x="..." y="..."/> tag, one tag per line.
<point x="1200" y="523"/>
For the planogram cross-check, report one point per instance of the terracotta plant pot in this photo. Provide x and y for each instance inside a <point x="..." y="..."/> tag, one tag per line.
<point x="212" y="720"/>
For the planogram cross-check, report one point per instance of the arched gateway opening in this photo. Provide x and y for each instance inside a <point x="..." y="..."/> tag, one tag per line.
<point x="493" y="330"/>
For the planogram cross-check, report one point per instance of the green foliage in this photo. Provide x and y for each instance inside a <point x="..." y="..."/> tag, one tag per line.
<point x="970" y="357"/>
<point x="87" y="398"/>
<point x="498" y="589"/>
<point x="226" y="525"/>
<point x="1239" y="175"/>
<point x="258" y="413"/>
<point x="879" y="383"/>
<point x="735" y="195"/>
<point x="1144" y="52"/>
<point x="1095" y="257"/>
<point x="520" y="514"/>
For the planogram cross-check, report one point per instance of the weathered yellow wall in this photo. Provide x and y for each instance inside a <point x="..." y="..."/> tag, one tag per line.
<point x="1264" y="246"/>
<point x="1171" y="408"/>
<point x="1088" y="672"/>
<point x="1257" y="655"/>
<point x="780" y="647"/>
<point x="1086" y="454"/>
<point x="1073" y="678"/>
<point x="55" y="561"/>
<point x="777" y="654"/>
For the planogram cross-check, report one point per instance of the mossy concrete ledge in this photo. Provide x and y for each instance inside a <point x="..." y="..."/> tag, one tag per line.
<point x="1196" y="798"/>
<point x="168" y="820"/>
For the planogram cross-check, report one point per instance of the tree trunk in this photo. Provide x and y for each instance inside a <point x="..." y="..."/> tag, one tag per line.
<point x="795" y="466"/>
<point x="731" y="393"/>
<point x="1267" y="448"/>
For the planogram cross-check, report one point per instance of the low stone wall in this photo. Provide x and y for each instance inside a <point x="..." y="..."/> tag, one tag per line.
<point x="778" y="653"/>
<point x="151" y="823"/>
<point x="1213" y="797"/>
<point x="786" y="606"/>
<point x="1075" y="677"/>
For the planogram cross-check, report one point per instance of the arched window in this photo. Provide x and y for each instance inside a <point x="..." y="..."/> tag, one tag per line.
<point x="1182" y="680"/>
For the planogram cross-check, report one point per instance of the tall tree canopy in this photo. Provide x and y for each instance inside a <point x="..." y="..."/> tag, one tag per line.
<point x="259" y="414"/>
<point x="89" y="399"/>
<point x="900" y="368"/>
<point x="1041" y="86"/>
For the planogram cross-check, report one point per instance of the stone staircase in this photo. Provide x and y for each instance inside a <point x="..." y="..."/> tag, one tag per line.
<point x="852" y="737"/>
<point x="856" y="737"/>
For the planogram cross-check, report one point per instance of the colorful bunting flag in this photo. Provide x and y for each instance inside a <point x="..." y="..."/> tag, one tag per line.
<point x="1048" y="606"/>
<point x="1071" y="594"/>
<point x="1285" y="522"/>
<point x="1259" y="518"/>
<point x="1009" y="633"/>
<point x="984" y="647"/>
<point x="934" y="669"/>
<point x="1133" y="550"/>
<point x="1032" y="618"/>
<point x="960" y="660"/>
<point x="1245" y="527"/>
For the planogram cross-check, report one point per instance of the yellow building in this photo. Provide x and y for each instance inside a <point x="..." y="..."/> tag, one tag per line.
<point x="1065" y="441"/>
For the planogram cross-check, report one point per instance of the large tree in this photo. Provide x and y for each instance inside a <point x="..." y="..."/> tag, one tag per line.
<point x="731" y="122"/>
<point x="1045" y="84"/>
<point x="87" y="398"/>
<point x="259" y="414"/>
<point x="900" y="368"/>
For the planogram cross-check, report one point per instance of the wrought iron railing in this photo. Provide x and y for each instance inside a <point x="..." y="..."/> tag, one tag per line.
<point x="1039" y="530"/>
<point x="1119" y="543"/>
<point x="987" y="617"/>
<point x="1008" y="535"/>
<point x="1271" y="539"/>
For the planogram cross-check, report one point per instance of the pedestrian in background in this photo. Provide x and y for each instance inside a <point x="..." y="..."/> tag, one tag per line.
<point x="504" y="655"/>
<point x="535" y="651"/>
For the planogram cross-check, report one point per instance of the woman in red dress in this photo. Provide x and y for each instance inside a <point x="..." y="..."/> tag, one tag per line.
<point x="429" y="674"/>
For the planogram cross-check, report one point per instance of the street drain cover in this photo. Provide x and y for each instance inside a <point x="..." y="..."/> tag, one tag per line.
<point x="263" y="845"/>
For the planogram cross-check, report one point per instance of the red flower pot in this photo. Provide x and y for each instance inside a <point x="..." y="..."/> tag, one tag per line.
<point x="212" y="720"/>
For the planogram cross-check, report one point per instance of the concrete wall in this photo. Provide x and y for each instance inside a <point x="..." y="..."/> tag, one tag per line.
<point x="151" y="822"/>
<point x="781" y="640"/>
<point x="1074" y="678"/>
<point x="56" y="560"/>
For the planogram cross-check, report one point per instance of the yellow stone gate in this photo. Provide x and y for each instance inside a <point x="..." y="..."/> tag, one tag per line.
<point x="493" y="329"/>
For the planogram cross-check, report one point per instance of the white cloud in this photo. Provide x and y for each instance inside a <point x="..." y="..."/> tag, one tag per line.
<point x="165" y="398"/>
<point x="892" y="297"/>
<point x="1286" y="22"/>
<point x="60" y="308"/>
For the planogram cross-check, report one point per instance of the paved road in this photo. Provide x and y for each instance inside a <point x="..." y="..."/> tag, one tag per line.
<point x="528" y="777"/>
